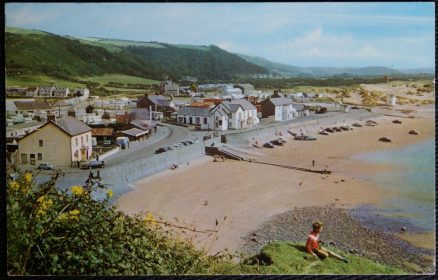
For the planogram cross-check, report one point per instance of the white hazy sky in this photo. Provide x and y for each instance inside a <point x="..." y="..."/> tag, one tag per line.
<point x="399" y="35"/>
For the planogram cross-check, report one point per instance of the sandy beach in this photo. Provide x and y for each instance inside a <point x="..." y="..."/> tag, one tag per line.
<point x="248" y="194"/>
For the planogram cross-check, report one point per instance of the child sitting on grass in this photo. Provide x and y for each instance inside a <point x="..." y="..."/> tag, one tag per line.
<point x="314" y="248"/>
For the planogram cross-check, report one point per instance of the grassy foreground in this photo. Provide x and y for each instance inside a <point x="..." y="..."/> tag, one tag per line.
<point x="288" y="258"/>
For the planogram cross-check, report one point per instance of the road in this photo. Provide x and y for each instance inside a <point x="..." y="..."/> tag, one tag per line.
<point x="166" y="135"/>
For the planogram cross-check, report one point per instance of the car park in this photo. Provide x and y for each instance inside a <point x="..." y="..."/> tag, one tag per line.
<point x="45" y="166"/>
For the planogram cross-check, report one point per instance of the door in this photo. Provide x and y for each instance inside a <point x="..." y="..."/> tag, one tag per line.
<point x="32" y="159"/>
<point x="83" y="155"/>
<point x="23" y="159"/>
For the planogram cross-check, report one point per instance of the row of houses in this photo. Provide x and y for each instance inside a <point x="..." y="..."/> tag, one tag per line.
<point x="46" y="92"/>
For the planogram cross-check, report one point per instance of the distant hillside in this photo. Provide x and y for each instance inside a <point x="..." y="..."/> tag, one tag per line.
<point x="45" y="53"/>
<point x="290" y="70"/>
<point x="36" y="52"/>
<point x="203" y="62"/>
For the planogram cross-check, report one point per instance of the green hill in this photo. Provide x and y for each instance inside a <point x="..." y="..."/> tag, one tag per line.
<point x="290" y="70"/>
<point x="36" y="52"/>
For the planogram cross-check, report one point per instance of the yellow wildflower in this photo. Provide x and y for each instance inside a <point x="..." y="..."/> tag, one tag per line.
<point x="149" y="218"/>
<point x="63" y="217"/>
<point x="14" y="186"/>
<point x="74" y="212"/>
<point x="77" y="190"/>
<point x="44" y="205"/>
<point x="28" y="177"/>
<point x="109" y="193"/>
<point x="41" y="199"/>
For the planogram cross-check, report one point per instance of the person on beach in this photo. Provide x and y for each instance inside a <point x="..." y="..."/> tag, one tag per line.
<point x="313" y="246"/>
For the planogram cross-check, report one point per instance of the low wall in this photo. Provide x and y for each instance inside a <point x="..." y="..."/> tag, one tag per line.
<point x="109" y="153"/>
<point x="121" y="178"/>
<point x="268" y="132"/>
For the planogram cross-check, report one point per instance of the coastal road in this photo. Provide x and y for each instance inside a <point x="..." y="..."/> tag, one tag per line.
<point x="169" y="135"/>
<point x="166" y="135"/>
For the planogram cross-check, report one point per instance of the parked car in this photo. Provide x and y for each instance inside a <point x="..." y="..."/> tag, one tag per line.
<point x="45" y="166"/>
<point x="329" y="129"/>
<point x="184" y="143"/>
<point x="277" y="142"/>
<point x="176" y="145"/>
<point x="160" y="150"/>
<point x="190" y="142"/>
<point x="322" y="132"/>
<point x="357" y="125"/>
<point x="169" y="148"/>
<point x="268" y="145"/>
<point x="93" y="164"/>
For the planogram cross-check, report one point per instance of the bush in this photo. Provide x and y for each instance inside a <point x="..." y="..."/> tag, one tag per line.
<point x="67" y="233"/>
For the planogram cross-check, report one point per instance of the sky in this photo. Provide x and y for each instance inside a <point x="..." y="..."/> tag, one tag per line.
<point x="398" y="35"/>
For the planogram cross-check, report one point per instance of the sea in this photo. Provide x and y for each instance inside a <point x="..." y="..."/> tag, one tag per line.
<point x="412" y="179"/>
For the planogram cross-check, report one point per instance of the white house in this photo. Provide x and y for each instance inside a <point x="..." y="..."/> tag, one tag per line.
<point x="280" y="107"/>
<point x="195" y="116"/>
<point x="241" y="114"/>
<point x="61" y="92"/>
<point x="46" y="91"/>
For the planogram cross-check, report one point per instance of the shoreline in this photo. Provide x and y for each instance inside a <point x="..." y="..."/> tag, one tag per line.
<point x="250" y="194"/>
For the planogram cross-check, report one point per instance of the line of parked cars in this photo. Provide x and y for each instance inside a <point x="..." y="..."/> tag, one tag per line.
<point x="92" y="164"/>
<point x="174" y="146"/>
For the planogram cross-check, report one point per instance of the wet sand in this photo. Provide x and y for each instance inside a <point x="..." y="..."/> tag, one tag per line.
<point x="249" y="194"/>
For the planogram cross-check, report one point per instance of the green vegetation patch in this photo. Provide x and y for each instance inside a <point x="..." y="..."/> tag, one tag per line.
<point x="119" y="78"/>
<point x="40" y="80"/>
<point x="289" y="258"/>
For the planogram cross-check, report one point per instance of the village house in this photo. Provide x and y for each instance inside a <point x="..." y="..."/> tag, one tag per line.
<point x="279" y="107"/>
<point x="169" y="88"/>
<point x="61" y="142"/>
<point x="158" y="103"/>
<point x="46" y="91"/>
<point x="61" y="92"/>
<point x="32" y="91"/>
<point x="242" y="114"/>
<point x="16" y="91"/>
<point x="192" y="115"/>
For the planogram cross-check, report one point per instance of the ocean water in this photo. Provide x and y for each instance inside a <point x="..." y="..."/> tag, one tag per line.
<point x="413" y="179"/>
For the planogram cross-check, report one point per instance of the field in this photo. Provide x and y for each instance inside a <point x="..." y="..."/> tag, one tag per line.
<point x="118" y="78"/>
<point x="40" y="80"/>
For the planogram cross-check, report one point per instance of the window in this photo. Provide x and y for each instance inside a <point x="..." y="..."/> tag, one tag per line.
<point x="86" y="138"/>
<point x="205" y="120"/>
<point x="40" y="156"/>
<point x="82" y="140"/>
<point x="76" y="141"/>
<point x="41" y="143"/>
<point x="220" y="122"/>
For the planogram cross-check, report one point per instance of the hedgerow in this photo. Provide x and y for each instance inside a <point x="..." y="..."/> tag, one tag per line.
<point x="54" y="232"/>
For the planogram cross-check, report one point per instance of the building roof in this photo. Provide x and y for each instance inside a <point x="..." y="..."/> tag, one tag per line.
<point x="102" y="131"/>
<point x="280" y="101"/>
<point x="71" y="126"/>
<point x="134" y="132"/>
<point x="246" y="105"/>
<point x="194" y="111"/>
<point x="143" y="124"/>
<point x="32" y="105"/>
<point x="14" y="127"/>
<point x="298" y="106"/>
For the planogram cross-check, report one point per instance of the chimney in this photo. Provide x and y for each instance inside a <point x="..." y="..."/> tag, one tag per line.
<point x="146" y="95"/>
<point x="51" y="117"/>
